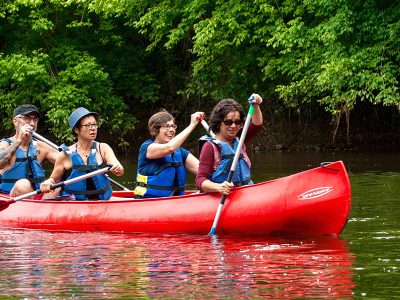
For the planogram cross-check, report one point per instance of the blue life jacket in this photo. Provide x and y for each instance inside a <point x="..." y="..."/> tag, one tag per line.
<point x="223" y="155"/>
<point x="96" y="187"/>
<point x="25" y="166"/>
<point x="168" y="179"/>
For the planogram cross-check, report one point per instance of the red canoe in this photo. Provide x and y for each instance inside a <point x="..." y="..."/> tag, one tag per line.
<point x="316" y="201"/>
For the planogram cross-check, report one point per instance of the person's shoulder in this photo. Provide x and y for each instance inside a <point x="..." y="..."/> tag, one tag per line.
<point x="210" y="144"/>
<point x="209" y="147"/>
<point x="67" y="151"/>
<point x="183" y="151"/>
<point x="143" y="150"/>
<point x="63" y="156"/>
<point x="104" y="148"/>
<point x="42" y="145"/>
<point x="5" y="142"/>
<point x="100" y="145"/>
<point x="146" y="144"/>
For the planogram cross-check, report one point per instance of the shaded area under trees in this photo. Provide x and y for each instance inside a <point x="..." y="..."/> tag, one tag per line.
<point x="329" y="70"/>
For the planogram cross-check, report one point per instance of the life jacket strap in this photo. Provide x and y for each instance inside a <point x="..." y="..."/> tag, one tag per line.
<point x="230" y="157"/>
<point x="163" y="188"/>
<point x="85" y="168"/>
<point x="36" y="180"/>
<point x="21" y="159"/>
<point x="32" y="157"/>
<point x="167" y="165"/>
<point x="9" y="180"/>
<point x="241" y="183"/>
<point x="31" y="179"/>
<point x="92" y="192"/>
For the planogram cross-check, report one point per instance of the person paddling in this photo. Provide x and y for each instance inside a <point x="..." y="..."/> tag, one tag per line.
<point x="216" y="156"/>
<point x="84" y="156"/>
<point x="21" y="158"/>
<point x="162" y="162"/>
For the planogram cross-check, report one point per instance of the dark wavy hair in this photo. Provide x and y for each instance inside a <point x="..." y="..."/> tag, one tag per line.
<point x="157" y="120"/>
<point x="224" y="107"/>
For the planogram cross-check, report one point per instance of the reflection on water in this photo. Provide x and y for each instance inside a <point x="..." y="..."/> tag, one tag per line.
<point x="363" y="263"/>
<point x="69" y="265"/>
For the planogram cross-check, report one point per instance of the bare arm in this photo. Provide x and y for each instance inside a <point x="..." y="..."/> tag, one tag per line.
<point x="49" y="153"/>
<point x="224" y="188"/>
<point x="110" y="158"/>
<point x="57" y="174"/>
<point x="192" y="164"/>
<point x="7" y="151"/>
<point x="156" y="150"/>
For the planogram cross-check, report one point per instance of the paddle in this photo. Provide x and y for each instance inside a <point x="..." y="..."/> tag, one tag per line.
<point x="43" y="139"/>
<point x="233" y="166"/>
<point x="116" y="183"/>
<point x="4" y="204"/>
<point x="207" y="128"/>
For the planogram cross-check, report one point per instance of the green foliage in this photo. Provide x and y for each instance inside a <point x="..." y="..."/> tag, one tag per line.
<point x="109" y="55"/>
<point x="61" y="75"/>
<point x="338" y="54"/>
<point x="22" y="80"/>
<point x="332" y="52"/>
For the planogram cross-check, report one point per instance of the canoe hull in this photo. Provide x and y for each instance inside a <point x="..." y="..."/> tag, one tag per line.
<point x="316" y="201"/>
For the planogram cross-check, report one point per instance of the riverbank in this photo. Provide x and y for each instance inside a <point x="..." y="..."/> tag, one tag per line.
<point x="370" y="129"/>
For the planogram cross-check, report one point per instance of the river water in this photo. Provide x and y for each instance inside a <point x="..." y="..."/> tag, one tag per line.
<point x="363" y="262"/>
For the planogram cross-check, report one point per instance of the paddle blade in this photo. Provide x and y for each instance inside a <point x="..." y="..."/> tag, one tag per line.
<point x="212" y="231"/>
<point x="217" y="216"/>
<point x="5" y="203"/>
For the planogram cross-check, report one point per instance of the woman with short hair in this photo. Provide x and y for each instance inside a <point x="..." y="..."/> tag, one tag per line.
<point x="162" y="162"/>
<point x="85" y="156"/>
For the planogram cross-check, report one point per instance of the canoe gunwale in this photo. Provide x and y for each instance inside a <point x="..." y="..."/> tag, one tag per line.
<point x="264" y="208"/>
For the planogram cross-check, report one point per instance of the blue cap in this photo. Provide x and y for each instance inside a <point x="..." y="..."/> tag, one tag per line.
<point x="78" y="114"/>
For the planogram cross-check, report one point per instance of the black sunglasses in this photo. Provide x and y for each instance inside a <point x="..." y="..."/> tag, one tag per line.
<point x="229" y="122"/>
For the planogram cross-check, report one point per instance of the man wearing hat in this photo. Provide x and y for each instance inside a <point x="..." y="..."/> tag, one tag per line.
<point x="21" y="157"/>
<point x="84" y="156"/>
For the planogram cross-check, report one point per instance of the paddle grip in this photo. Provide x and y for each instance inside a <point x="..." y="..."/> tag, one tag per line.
<point x="252" y="106"/>
<point x="57" y="185"/>
<point x="222" y="199"/>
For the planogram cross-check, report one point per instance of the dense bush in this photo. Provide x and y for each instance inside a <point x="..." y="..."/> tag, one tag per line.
<point x="126" y="59"/>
